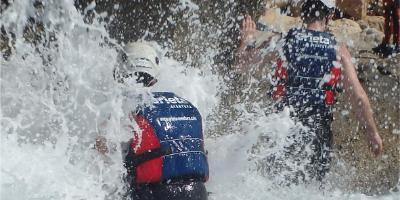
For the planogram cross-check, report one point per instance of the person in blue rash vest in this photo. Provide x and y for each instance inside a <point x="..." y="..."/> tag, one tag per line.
<point x="309" y="66"/>
<point x="166" y="157"/>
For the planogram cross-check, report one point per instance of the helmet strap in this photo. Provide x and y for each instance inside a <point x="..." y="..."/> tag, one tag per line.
<point x="145" y="78"/>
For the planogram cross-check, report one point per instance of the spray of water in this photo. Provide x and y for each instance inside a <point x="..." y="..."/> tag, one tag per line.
<point x="57" y="90"/>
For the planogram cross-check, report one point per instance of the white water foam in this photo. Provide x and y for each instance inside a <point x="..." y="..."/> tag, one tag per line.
<point x="51" y="110"/>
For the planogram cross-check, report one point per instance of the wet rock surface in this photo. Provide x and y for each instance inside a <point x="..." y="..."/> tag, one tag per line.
<point x="371" y="175"/>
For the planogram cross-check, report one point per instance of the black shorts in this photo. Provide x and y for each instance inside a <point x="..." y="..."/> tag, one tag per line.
<point x="317" y="136"/>
<point x="306" y="157"/>
<point x="173" y="191"/>
<point x="321" y="143"/>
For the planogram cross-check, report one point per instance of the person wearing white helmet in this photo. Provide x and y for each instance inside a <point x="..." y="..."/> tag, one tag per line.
<point x="161" y="162"/>
<point x="318" y="10"/>
<point x="308" y="68"/>
<point x="330" y="4"/>
<point x="140" y="61"/>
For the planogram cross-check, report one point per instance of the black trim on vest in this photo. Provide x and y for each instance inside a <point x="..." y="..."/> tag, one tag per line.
<point x="132" y="160"/>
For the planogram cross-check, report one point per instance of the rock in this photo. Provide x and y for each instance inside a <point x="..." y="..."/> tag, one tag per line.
<point x="290" y="7"/>
<point x="6" y="44"/>
<point x="376" y="22"/>
<point x="363" y="24"/>
<point x="354" y="8"/>
<point x="344" y="29"/>
<point x="276" y="3"/>
<point x="368" y="39"/>
<point x="394" y="68"/>
<point x="371" y="175"/>
<point x="279" y="22"/>
<point x="357" y="37"/>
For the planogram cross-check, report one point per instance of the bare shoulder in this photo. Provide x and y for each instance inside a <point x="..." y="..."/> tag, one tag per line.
<point x="344" y="56"/>
<point x="343" y="51"/>
<point x="347" y="63"/>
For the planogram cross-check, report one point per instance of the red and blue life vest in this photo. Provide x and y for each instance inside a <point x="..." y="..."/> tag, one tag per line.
<point x="306" y="77"/>
<point x="169" y="145"/>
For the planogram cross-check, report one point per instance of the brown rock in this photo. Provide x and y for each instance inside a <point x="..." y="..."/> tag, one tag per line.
<point x="292" y="8"/>
<point x="354" y="8"/>
<point x="368" y="39"/>
<point x="279" y="22"/>
<point x="344" y="28"/>
<point x="357" y="37"/>
<point x="376" y="22"/>
<point x="276" y="3"/>
<point x="363" y="24"/>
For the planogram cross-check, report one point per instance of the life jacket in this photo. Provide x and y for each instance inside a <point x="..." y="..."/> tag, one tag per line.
<point x="307" y="75"/>
<point x="169" y="145"/>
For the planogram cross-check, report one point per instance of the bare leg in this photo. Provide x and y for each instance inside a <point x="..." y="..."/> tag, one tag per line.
<point x="396" y="25"/>
<point x="384" y="48"/>
<point x="388" y="28"/>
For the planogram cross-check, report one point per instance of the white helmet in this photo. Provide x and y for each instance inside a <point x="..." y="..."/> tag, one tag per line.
<point x="143" y="57"/>
<point x="329" y="3"/>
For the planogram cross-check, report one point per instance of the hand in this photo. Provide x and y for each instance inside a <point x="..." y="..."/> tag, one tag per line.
<point x="101" y="145"/>
<point x="248" y="29"/>
<point x="375" y="142"/>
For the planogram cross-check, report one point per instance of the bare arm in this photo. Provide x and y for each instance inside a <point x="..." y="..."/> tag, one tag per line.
<point x="246" y="56"/>
<point x="359" y="100"/>
<point x="101" y="141"/>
